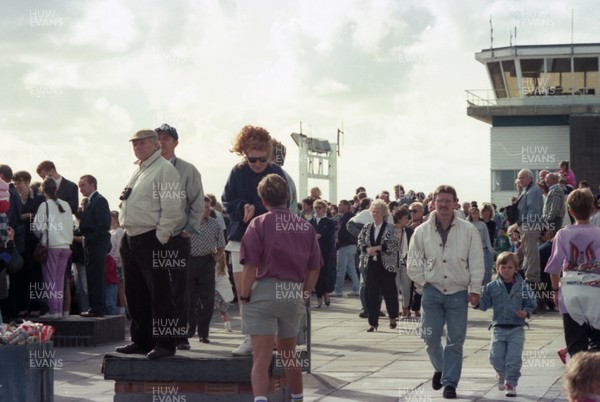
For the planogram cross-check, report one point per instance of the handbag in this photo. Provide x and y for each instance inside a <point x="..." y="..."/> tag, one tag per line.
<point x="41" y="252"/>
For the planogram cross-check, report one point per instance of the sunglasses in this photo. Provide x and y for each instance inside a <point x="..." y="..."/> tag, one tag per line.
<point x="262" y="159"/>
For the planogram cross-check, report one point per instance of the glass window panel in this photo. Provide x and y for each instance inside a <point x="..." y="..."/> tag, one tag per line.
<point x="586" y="75"/>
<point x="496" y="75"/>
<point x="510" y="77"/>
<point x="532" y="70"/>
<point x="559" y="76"/>
<point x="504" y="180"/>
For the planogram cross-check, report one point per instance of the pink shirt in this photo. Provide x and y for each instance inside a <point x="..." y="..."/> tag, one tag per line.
<point x="576" y="247"/>
<point x="282" y="245"/>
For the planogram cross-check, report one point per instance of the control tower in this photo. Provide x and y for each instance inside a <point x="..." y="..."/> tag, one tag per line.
<point x="544" y="107"/>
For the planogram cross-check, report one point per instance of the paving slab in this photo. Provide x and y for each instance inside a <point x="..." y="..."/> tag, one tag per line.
<point x="349" y="364"/>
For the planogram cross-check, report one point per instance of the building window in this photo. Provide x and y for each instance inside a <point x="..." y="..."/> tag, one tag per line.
<point x="586" y="75"/>
<point x="496" y="77"/>
<point x="532" y="71"/>
<point x="504" y="180"/>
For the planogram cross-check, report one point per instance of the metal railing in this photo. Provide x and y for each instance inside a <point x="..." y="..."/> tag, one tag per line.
<point x="487" y="98"/>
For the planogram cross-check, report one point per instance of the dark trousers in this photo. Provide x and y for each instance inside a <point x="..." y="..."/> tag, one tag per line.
<point x="201" y="293"/>
<point x="95" y="271"/>
<point x="322" y="285"/>
<point x="148" y="288"/>
<point x="182" y="246"/>
<point x="580" y="337"/>
<point x="378" y="282"/>
<point x="415" y="299"/>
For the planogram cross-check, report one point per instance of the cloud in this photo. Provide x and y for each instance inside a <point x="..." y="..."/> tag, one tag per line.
<point x="107" y="26"/>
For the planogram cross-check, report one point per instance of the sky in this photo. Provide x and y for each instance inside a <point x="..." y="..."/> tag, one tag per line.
<point x="79" y="78"/>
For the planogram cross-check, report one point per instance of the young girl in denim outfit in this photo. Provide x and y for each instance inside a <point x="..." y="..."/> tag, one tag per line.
<point x="513" y="301"/>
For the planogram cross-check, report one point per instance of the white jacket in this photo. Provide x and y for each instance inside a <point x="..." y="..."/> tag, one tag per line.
<point x="451" y="268"/>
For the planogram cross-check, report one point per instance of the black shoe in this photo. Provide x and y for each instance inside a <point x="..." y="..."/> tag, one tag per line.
<point x="372" y="329"/>
<point x="183" y="345"/>
<point x="449" y="392"/>
<point x="159" y="352"/>
<point x="132" y="348"/>
<point x="381" y="314"/>
<point x="204" y="340"/>
<point x="436" y="381"/>
<point x="363" y="314"/>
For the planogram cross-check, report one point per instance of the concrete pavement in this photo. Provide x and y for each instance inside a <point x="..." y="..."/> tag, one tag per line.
<point x="349" y="364"/>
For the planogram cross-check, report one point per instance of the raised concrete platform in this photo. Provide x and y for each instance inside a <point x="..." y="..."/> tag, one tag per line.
<point x="192" y="376"/>
<point x="76" y="331"/>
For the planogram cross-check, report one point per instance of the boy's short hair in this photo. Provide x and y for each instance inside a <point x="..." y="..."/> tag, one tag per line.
<point x="506" y="257"/>
<point x="580" y="202"/>
<point x="581" y="375"/>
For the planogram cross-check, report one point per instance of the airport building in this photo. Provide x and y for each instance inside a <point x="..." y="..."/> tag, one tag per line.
<point x="544" y="107"/>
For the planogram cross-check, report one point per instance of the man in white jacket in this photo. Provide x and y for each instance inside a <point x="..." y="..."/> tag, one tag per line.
<point x="445" y="258"/>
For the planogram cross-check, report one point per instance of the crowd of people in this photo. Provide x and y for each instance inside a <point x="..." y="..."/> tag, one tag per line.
<point x="163" y="258"/>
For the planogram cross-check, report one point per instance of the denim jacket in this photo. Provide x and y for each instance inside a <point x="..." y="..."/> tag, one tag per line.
<point x="505" y="304"/>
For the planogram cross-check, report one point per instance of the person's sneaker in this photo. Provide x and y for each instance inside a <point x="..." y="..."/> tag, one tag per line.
<point x="245" y="348"/>
<point x="510" y="390"/>
<point x="449" y="392"/>
<point x="336" y="294"/>
<point x="227" y="326"/>
<point x="436" y="380"/>
<point x="352" y="294"/>
<point x="363" y="314"/>
<point x="500" y="378"/>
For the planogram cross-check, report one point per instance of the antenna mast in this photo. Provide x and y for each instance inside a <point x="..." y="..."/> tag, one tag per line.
<point x="491" y="37"/>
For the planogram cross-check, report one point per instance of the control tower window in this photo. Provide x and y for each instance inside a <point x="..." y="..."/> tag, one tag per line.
<point x="496" y="76"/>
<point x="559" y="76"/>
<point x="586" y="76"/>
<point x="533" y="83"/>
<point x="510" y="78"/>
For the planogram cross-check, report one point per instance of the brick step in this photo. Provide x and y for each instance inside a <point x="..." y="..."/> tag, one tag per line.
<point x="76" y="331"/>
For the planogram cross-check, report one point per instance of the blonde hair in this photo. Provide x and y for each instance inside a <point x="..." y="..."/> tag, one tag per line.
<point x="320" y="202"/>
<point x="221" y="267"/>
<point x="381" y="205"/>
<point x="581" y="375"/>
<point x="580" y="202"/>
<point x="506" y="257"/>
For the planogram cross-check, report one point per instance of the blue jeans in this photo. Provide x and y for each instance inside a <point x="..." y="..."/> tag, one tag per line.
<point x="345" y="265"/>
<point x="451" y="310"/>
<point x="111" y="298"/>
<point x="488" y="263"/>
<point x="506" y="351"/>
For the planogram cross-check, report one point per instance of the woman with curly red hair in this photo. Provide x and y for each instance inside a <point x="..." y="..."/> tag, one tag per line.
<point x="241" y="201"/>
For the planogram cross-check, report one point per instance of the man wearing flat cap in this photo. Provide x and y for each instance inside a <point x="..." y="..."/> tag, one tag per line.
<point x="191" y="194"/>
<point x="151" y="216"/>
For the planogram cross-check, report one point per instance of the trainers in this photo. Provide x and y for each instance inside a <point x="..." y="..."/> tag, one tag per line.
<point x="500" y="378"/>
<point x="510" y="390"/>
<point x="449" y="392"/>
<point x="245" y="348"/>
<point x="227" y="326"/>
<point x="336" y="294"/>
<point x="352" y="294"/>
